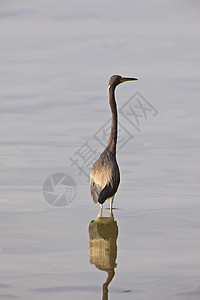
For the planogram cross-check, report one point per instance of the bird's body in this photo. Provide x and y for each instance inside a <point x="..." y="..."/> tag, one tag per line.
<point x="105" y="175"/>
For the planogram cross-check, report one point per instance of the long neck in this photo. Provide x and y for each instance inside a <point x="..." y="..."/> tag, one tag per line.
<point x="113" y="134"/>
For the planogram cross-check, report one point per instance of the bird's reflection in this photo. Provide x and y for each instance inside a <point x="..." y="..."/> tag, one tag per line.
<point x="103" y="233"/>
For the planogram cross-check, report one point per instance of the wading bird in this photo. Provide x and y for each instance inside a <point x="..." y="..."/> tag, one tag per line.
<point x="105" y="176"/>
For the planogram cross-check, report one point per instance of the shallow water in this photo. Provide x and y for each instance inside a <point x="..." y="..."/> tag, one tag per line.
<point x="56" y="60"/>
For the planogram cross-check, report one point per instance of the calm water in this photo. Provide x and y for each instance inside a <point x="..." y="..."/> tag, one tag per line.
<point x="56" y="59"/>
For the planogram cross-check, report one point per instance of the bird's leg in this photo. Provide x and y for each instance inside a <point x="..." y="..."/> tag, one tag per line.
<point x="100" y="212"/>
<point x="111" y="204"/>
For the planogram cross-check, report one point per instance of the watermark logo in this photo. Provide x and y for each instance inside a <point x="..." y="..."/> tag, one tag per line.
<point x="59" y="189"/>
<point x="136" y="110"/>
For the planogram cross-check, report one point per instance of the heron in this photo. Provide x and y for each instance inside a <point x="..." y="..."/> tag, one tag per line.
<point x="105" y="174"/>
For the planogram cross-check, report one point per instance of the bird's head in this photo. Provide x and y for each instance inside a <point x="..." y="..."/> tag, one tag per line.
<point x="117" y="79"/>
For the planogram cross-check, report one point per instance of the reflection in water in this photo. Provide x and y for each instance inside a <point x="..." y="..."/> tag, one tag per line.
<point x="103" y="234"/>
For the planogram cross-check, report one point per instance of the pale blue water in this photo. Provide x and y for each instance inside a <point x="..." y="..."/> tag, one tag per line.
<point x="56" y="59"/>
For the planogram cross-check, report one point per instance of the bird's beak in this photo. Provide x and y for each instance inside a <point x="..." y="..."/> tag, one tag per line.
<point x="123" y="79"/>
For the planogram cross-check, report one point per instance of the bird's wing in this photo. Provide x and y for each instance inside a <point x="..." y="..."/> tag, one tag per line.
<point x="95" y="190"/>
<point x="106" y="193"/>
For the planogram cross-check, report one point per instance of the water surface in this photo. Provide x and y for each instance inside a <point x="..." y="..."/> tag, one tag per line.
<point x="56" y="59"/>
